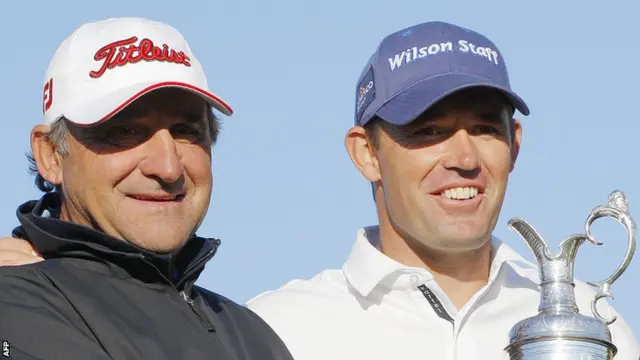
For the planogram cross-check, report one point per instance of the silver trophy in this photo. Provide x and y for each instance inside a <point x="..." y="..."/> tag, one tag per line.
<point x="559" y="331"/>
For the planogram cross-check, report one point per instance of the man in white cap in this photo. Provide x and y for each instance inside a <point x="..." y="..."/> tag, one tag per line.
<point x="124" y="159"/>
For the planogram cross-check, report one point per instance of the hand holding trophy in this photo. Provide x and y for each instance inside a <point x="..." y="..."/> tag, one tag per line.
<point x="559" y="331"/>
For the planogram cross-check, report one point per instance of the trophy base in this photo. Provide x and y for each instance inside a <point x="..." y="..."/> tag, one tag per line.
<point x="560" y="349"/>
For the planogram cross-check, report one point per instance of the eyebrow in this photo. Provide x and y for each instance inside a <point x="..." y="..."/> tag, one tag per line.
<point x="494" y="116"/>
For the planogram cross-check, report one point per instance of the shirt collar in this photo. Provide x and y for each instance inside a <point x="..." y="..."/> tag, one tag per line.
<point x="367" y="266"/>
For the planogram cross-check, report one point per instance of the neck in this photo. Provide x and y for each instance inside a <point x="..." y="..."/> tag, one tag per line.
<point x="459" y="274"/>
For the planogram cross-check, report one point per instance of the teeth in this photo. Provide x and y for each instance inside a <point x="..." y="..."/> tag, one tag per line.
<point x="461" y="193"/>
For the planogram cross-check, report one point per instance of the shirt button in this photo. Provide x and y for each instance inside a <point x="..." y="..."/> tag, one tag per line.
<point x="415" y="279"/>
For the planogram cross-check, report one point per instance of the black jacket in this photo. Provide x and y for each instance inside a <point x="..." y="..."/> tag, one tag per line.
<point x="96" y="297"/>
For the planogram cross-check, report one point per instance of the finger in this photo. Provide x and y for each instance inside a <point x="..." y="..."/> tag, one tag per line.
<point x="27" y="261"/>
<point x="13" y="258"/>
<point x="16" y="245"/>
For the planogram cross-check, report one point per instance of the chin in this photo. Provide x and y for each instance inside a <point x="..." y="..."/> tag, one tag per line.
<point x="161" y="241"/>
<point x="167" y="247"/>
<point x="465" y="238"/>
<point x="470" y="244"/>
<point x="471" y="240"/>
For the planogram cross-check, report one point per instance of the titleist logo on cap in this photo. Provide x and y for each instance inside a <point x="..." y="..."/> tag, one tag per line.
<point x="123" y="52"/>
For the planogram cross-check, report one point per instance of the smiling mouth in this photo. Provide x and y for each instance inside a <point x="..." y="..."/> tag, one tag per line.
<point x="158" y="198"/>
<point x="461" y="193"/>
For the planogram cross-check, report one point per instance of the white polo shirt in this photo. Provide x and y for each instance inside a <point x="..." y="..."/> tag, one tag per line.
<point x="374" y="309"/>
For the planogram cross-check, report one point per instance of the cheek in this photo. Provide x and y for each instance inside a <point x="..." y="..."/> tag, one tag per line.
<point x="496" y="156"/>
<point x="406" y="172"/>
<point x="197" y="164"/>
<point x="414" y="168"/>
<point x="106" y="170"/>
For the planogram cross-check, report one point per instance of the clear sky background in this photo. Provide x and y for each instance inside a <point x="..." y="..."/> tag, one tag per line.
<point x="287" y="201"/>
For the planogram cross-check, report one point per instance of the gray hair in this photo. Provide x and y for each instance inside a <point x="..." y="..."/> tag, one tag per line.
<point x="57" y="135"/>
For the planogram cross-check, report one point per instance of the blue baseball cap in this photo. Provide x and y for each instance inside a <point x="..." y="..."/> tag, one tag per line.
<point x="414" y="68"/>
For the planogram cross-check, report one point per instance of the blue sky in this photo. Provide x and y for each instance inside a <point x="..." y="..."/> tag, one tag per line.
<point x="287" y="201"/>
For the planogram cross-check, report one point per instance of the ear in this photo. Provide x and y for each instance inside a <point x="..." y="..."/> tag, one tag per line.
<point x="45" y="155"/>
<point x="362" y="153"/>
<point x="515" y="145"/>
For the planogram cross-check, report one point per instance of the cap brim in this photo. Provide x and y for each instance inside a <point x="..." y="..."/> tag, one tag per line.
<point x="415" y="100"/>
<point x="107" y="106"/>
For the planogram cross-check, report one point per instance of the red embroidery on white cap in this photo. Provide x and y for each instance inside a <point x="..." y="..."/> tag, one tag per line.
<point x="118" y="53"/>
<point x="47" y="95"/>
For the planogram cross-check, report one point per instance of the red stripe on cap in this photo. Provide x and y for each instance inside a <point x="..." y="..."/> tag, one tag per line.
<point x="166" y="84"/>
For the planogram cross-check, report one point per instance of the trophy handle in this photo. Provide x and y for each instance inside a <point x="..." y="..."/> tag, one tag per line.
<point x="617" y="208"/>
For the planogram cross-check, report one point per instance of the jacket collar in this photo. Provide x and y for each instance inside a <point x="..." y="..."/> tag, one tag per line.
<point x="367" y="266"/>
<point x="54" y="238"/>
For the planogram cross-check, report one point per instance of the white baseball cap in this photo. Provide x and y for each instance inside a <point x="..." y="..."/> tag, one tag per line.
<point x="105" y="65"/>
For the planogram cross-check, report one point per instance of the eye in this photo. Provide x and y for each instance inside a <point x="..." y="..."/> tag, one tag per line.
<point x="429" y="131"/>
<point x="122" y="131"/>
<point x="485" y="129"/>
<point x="125" y="135"/>
<point x="187" y="132"/>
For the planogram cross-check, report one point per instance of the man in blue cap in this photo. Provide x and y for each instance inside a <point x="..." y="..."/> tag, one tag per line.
<point x="435" y="135"/>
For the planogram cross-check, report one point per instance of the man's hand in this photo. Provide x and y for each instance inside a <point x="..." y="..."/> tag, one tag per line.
<point x="14" y="252"/>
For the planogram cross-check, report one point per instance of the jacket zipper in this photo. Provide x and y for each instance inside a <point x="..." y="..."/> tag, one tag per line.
<point x="203" y="321"/>
<point x="208" y="325"/>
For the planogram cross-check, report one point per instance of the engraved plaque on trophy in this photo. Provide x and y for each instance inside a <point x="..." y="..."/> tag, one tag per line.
<point x="559" y="331"/>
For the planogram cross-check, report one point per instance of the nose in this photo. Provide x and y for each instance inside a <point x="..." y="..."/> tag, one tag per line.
<point x="163" y="159"/>
<point x="461" y="153"/>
